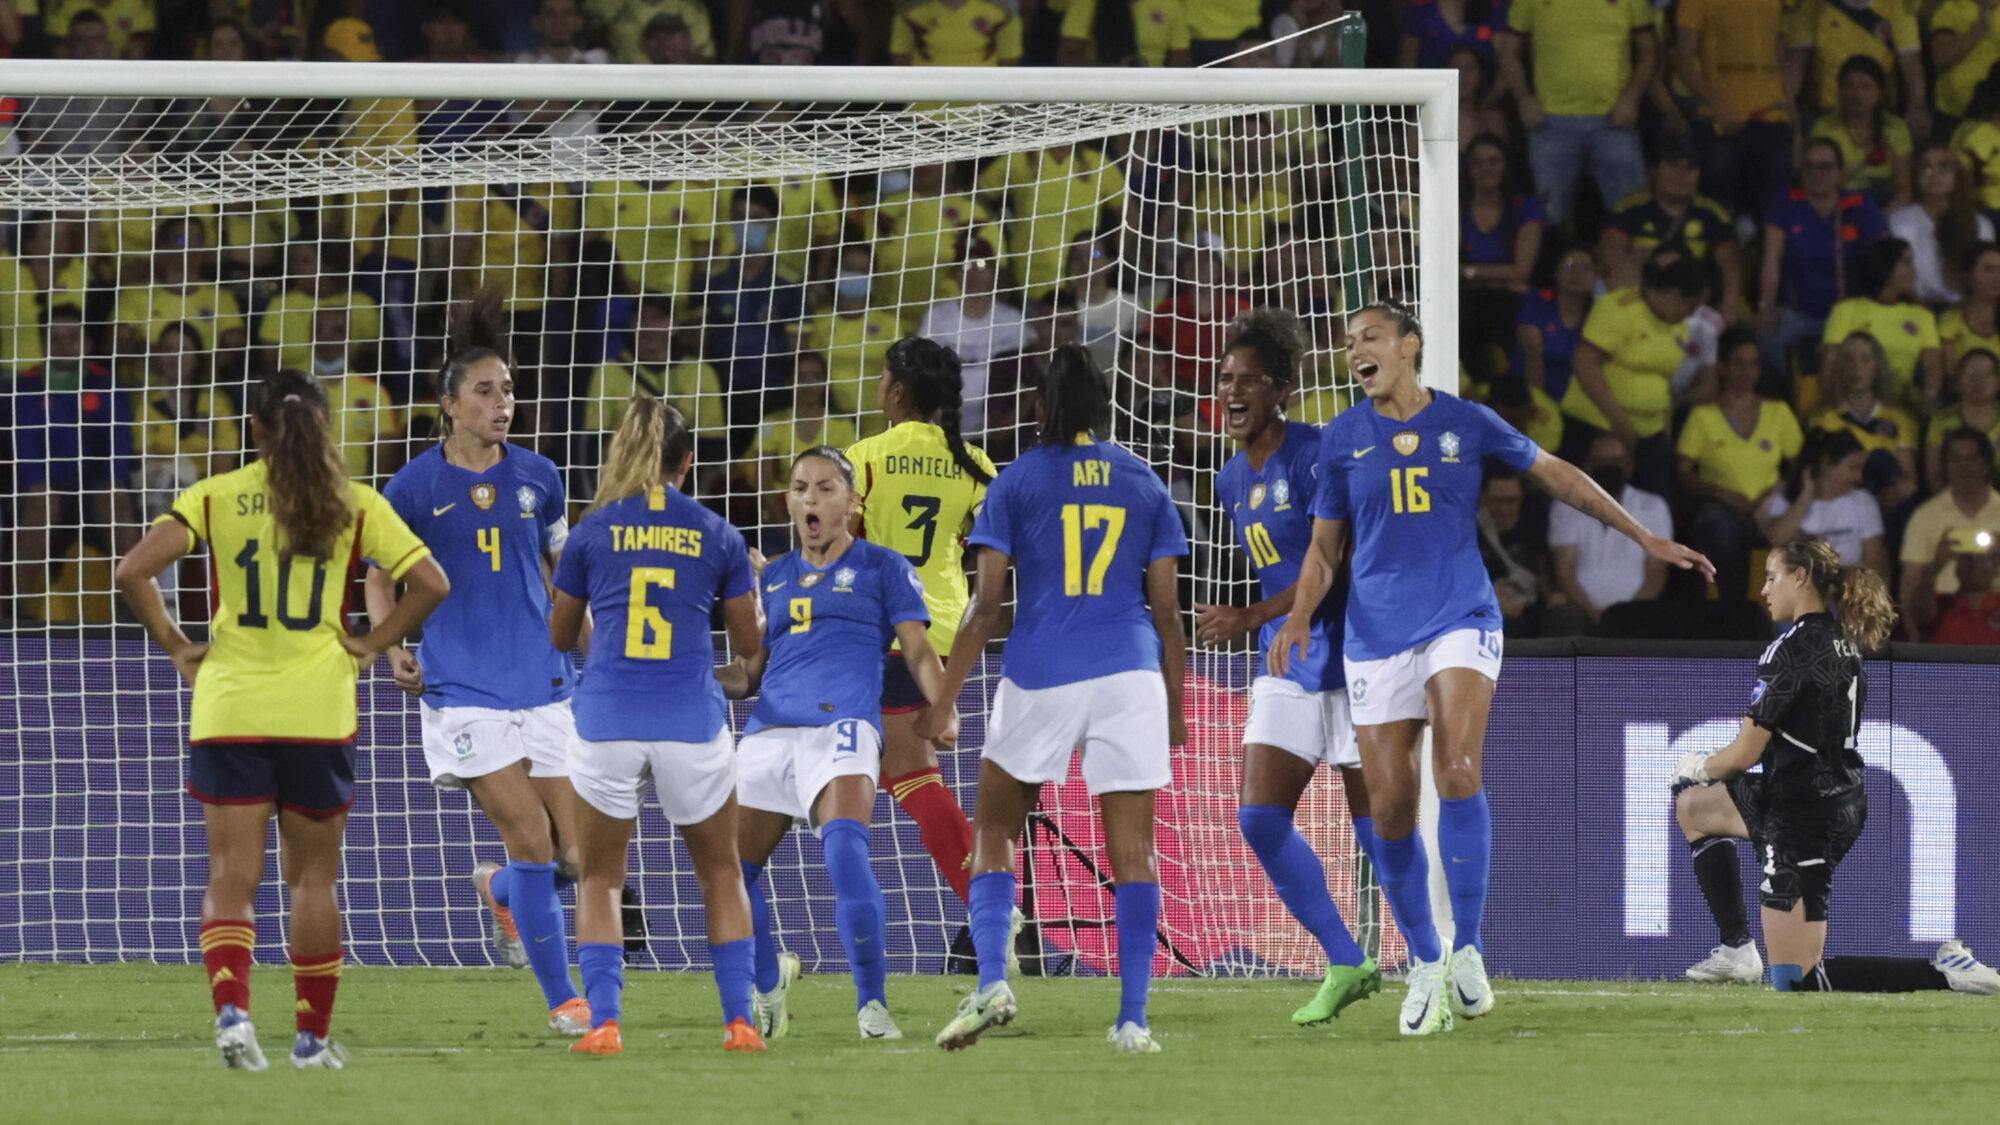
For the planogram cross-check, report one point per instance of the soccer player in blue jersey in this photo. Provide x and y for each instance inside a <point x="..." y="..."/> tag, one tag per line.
<point x="495" y="692"/>
<point x="1423" y="628"/>
<point x="1300" y="719"/>
<point x="1095" y="663"/>
<point x="651" y="564"/>
<point x="813" y="746"/>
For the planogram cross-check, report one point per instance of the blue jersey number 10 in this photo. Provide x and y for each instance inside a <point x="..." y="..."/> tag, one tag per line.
<point x="1077" y="519"/>
<point x="1263" y="552"/>
<point x="648" y="633"/>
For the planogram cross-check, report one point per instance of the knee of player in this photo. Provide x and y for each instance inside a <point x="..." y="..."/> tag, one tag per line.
<point x="1264" y="827"/>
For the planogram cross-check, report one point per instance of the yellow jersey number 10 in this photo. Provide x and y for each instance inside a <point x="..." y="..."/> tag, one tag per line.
<point x="1077" y="519"/>
<point x="1405" y="494"/>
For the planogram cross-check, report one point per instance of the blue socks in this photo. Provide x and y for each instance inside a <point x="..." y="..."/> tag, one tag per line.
<point x="1138" y="934"/>
<point x="733" y="961"/>
<point x="1465" y="836"/>
<point x="603" y="979"/>
<point x="766" y="943"/>
<point x="1786" y="978"/>
<point x="538" y="915"/>
<point x="1299" y="878"/>
<point x="1364" y="838"/>
<point x="858" y="910"/>
<point x="1405" y="874"/>
<point x="992" y="910"/>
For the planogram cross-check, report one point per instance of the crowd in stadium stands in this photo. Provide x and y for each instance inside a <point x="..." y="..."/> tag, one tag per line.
<point x="1736" y="258"/>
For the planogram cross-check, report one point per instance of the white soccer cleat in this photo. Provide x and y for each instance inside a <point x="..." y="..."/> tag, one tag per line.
<point x="1964" y="972"/>
<point x="1729" y="964"/>
<point x="767" y="1009"/>
<point x="1133" y="1039"/>
<point x="990" y="1007"/>
<point x="1426" y="1009"/>
<point x="507" y="943"/>
<point x="310" y="1052"/>
<point x="237" y="1041"/>
<point x="1014" y="926"/>
<point x="875" y="1022"/>
<point x="1470" y="989"/>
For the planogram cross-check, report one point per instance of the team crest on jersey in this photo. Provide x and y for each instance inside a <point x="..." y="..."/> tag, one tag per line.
<point x="843" y="579"/>
<point x="1257" y="495"/>
<point x="526" y="498"/>
<point x="811" y="579"/>
<point x="1407" y="442"/>
<point x="1448" y="446"/>
<point x="1281" y="494"/>
<point x="483" y="496"/>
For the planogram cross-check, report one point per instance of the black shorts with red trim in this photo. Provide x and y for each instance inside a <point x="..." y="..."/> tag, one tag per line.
<point x="314" y="779"/>
<point x="900" y="693"/>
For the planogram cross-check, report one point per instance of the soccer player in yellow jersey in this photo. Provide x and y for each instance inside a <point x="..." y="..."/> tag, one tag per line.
<point x="920" y="486"/>
<point x="271" y="729"/>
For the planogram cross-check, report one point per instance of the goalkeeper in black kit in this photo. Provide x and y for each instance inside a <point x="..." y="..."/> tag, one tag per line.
<point x="1808" y="806"/>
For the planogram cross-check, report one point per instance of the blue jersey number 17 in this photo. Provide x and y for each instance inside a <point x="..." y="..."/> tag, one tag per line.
<point x="1077" y="519"/>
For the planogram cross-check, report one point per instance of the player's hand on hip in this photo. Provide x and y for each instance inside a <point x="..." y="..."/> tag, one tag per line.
<point x="188" y="661"/>
<point x="1294" y="635"/>
<point x="1219" y="624"/>
<point x="1675" y="554"/>
<point x="409" y="674"/>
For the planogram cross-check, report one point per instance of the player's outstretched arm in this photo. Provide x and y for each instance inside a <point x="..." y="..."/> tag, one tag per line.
<point x="929" y="674"/>
<point x="743" y="617"/>
<point x="1574" y="487"/>
<point x="425" y="587"/>
<point x="166" y="544"/>
<point x="1163" y="597"/>
<point x="1316" y="574"/>
<point x="982" y="619"/>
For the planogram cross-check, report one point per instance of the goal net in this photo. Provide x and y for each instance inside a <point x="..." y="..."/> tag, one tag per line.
<point x="173" y="231"/>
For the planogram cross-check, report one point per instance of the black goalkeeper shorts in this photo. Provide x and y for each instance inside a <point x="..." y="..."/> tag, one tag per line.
<point x="1798" y="844"/>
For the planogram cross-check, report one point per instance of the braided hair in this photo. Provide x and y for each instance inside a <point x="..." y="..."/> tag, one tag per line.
<point x="934" y="378"/>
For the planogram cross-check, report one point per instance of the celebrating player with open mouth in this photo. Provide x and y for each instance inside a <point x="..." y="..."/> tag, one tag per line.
<point x="1300" y="719"/>
<point x="813" y="746"/>
<point x="1095" y="664"/>
<point x="272" y="726"/>
<point x="1423" y="639"/>
<point x="494" y="692"/>
<point x="1808" y="806"/>
<point x="651" y="564"/>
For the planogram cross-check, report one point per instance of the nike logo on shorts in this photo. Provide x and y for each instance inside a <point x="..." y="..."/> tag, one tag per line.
<point x="443" y="510"/>
<point x="1360" y="453"/>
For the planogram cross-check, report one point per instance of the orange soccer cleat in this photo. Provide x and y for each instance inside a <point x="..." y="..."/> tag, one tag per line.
<point x="601" y="1040"/>
<point x="573" y="1018"/>
<point x="741" y="1036"/>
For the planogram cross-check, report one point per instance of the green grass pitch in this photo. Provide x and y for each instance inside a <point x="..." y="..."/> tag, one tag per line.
<point x="130" y="1043"/>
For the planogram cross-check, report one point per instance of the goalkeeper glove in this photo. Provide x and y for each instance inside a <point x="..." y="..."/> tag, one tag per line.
<point x="1690" y="771"/>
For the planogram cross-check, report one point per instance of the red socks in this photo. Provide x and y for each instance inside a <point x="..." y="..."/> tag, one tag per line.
<point x="316" y="979"/>
<point x="947" y="833"/>
<point x="225" y="953"/>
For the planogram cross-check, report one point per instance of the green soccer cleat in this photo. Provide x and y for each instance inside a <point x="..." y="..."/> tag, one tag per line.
<point x="1344" y="985"/>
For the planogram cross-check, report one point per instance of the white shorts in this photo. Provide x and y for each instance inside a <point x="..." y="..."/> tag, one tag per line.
<point x="461" y="743"/>
<point x="1118" y="722"/>
<point x="785" y="769"/>
<point x="1392" y="689"/>
<point x="692" y="780"/>
<point x="1312" y="724"/>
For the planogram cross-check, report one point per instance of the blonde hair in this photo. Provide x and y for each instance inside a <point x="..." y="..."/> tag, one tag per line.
<point x="1885" y="379"/>
<point x="1856" y="594"/>
<point x="650" y="446"/>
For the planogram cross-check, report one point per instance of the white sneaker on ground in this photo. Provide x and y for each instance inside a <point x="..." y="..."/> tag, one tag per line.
<point x="1426" y="1009"/>
<point x="237" y="1041"/>
<point x="875" y="1022"/>
<point x="1729" y="964"/>
<point x="1964" y="972"/>
<point x="310" y="1052"/>
<point x="990" y="1007"/>
<point x="1133" y="1039"/>
<point x="1469" y="988"/>
<point x="767" y="1009"/>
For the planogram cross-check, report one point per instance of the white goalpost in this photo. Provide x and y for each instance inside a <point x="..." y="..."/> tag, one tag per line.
<point x="746" y="242"/>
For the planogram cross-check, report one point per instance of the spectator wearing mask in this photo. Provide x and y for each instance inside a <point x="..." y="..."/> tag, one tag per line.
<point x="1823" y="497"/>
<point x="1593" y="63"/>
<point x="1731" y="55"/>
<point x="1939" y="224"/>
<point x="1977" y="408"/>
<point x="854" y="336"/>
<point x="750" y="309"/>
<point x="1730" y="453"/>
<point x="1595" y="567"/>
<point x="1968" y="507"/>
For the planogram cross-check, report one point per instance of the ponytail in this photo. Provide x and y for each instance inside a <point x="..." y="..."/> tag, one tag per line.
<point x="478" y="333"/>
<point x="1856" y="595"/>
<point x="311" y="500"/>
<point x="1076" y="397"/>
<point x="651" y="445"/>
<point x="935" y="380"/>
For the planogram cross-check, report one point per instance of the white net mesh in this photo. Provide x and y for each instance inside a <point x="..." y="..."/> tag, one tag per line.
<point x="750" y="263"/>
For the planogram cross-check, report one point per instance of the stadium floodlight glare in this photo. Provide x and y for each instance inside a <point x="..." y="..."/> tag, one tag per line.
<point x="207" y="222"/>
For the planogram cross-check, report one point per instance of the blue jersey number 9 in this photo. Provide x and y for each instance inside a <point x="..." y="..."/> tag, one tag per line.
<point x="1077" y="519"/>
<point x="648" y="633"/>
<point x="802" y="615"/>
